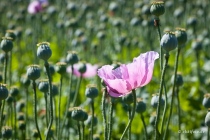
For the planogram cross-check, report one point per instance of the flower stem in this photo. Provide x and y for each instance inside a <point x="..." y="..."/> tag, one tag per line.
<point x="157" y="135"/>
<point x="132" y="114"/>
<point x="165" y="108"/>
<point x="179" y="112"/>
<point x="110" y="119"/>
<point x="78" y="126"/>
<point x="77" y="90"/>
<point x="5" y="81"/>
<point x="104" y="113"/>
<point x="35" y="109"/>
<point x="46" y="108"/>
<point x="173" y="91"/>
<point x="59" y="107"/>
<point x="129" y="116"/>
<point x="208" y="133"/>
<point x="157" y="20"/>
<point x="15" y="118"/>
<point x="144" y="124"/>
<point x="83" y="131"/>
<point x="92" y="119"/>
<point x="69" y="99"/>
<point x="51" y="100"/>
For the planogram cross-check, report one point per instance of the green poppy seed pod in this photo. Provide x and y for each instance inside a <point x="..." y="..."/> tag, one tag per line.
<point x="6" y="132"/>
<point x="55" y="90"/>
<point x="96" y="137"/>
<point x="1" y="78"/>
<point x="179" y="80"/>
<point x="61" y="68"/>
<point x="33" y="72"/>
<point x="128" y="99"/>
<point x="35" y="134"/>
<point x="21" y="125"/>
<point x="91" y="91"/>
<point x="181" y="36"/>
<point x="89" y="120"/>
<point x="3" y="92"/>
<point x="44" y="52"/>
<point x="206" y="100"/>
<point x="9" y="99"/>
<point x="197" y="45"/>
<point x="82" y="67"/>
<point x="72" y="58"/>
<point x="21" y="116"/>
<point x="191" y="21"/>
<point x="14" y="91"/>
<point x="140" y="106"/>
<point x="78" y="114"/>
<point x="152" y="119"/>
<point x="43" y="85"/>
<point x="207" y="119"/>
<point x="101" y="35"/>
<point x="113" y="6"/>
<point x="155" y="100"/>
<point x="10" y="33"/>
<point x="6" y="44"/>
<point x="157" y="8"/>
<point x="25" y="81"/>
<point x="169" y="41"/>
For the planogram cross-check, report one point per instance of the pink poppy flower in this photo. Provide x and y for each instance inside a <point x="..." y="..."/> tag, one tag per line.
<point x="35" y="7"/>
<point x="91" y="70"/>
<point x="122" y="80"/>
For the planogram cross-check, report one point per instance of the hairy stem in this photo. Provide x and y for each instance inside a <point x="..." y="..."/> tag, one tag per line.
<point x="35" y="109"/>
<point x="103" y="104"/>
<point x="132" y="114"/>
<point x="157" y="135"/>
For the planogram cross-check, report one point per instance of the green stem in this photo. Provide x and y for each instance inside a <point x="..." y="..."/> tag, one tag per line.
<point x="77" y="90"/>
<point x="15" y="118"/>
<point x="83" y="130"/>
<point x="159" y="37"/>
<point x="26" y="112"/>
<point x="35" y="109"/>
<point x="173" y="91"/>
<point x="103" y="104"/>
<point x="157" y="135"/>
<point x="46" y="109"/>
<point x="145" y="127"/>
<point x="5" y="81"/>
<point x="78" y="126"/>
<point x="179" y="112"/>
<point x="69" y="99"/>
<point x="59" y="107"/>
<point x="51" y="100"/>
<point x="132" y="114"/>
<point x="165" y="109"/>
<point x="110" y="119"/>
<point x="208" y="133"/>
<point x="129" y="116"/>
<point x="92" y="119"/>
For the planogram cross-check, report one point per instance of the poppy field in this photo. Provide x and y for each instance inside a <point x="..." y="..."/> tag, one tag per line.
<point x="104" y="70"/>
